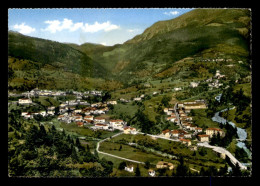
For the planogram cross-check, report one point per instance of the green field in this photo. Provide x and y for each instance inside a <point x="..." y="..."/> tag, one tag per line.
<point x="200" y="119"/>
<point x="176" y="148"/>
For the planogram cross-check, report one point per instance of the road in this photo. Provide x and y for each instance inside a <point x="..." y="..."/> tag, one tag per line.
<point x="177" y="115"/>
<point x="223" y="150"/>
<point x="115" y="155"/>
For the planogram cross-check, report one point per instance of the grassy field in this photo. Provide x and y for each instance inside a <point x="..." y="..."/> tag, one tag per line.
<point x="200" y="119"/>
<point x="131" y="153"/>
<point x="246" y="87"/>
<point x="125" y="109"/>
<point x="209" y="159"/>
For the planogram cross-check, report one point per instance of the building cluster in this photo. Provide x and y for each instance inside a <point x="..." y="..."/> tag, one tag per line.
<point x="139" y="98"/>
<point x="29" y="115"/>
<point x="38" y="92"/>
<point x="214" y="82"/>
<point x="187" y="129"/>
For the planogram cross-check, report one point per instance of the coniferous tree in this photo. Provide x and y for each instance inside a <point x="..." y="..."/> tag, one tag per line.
<point x="137" y="171"/>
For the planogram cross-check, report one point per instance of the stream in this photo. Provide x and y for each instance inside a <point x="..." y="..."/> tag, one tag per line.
<point x="242" y="135"/>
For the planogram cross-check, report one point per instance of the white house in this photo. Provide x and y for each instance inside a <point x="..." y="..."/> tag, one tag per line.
<point x="137" y="99"/>
<point x="151" y="172"/>
<point x="99" y="120"/>
<point x="194" y="84"/>
<point x="101" y="126"/>
<point x="129" y="168"/>
<point x="43" y="113"/>
<point x="177" y="89"/>
<point x="24" y="113"/>
<point x="50" y="112"/>
<point x="24" y="101"/>
<point x="112" y="102"/>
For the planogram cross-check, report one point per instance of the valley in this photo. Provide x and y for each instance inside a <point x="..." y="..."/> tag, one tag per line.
<point x="131" y="109"/>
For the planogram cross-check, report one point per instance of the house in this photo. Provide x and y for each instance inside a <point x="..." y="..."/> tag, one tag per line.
<point x="130" y="130"/>
<point x="163" y="165"/>
<point x="177" y="89"/>
<point x="77" y="111"/>
<point x="165" y="110"/>
<point x="50" y="112"/>
<point x="89" y="117"/>
<point x="175" y="133"/>
<point x="129" y="168"/>
<point x="154" y="93"/>
<point x="169" y="112"/>
<point x="195" y="105"/>
<point x="101" y="126"/>
<point x="118" y="124"/>
<point x="151" y="172"/>
<point x="28" y="115"/>
<point x="211" y="131"/>
<point x="203" y="138"/>
<point x="193" y="127"/>
<point x="172" y="118"/>
<point x="24" y="101"/>
<point x="87" y="120"/>
<point x="51" y="108"/>
<point x="186" y="141"/>
<point x="194" y="84"/>
<point x="181" y="136"/>
<point x="60" y="117"/>
<point x="187" y="135"/>
<point x="166" y="133"/>
<point x="43" y="113"/>
<point x="24" y="113"/>
<point x="193" y="148"/>
<point x="80" y="124"/>
<point x="198" y="129"/>
<point x="137" y="99"/>
<point x="142" y="96"/>
<point x="111" y="102"/>
<point x="99" y="120"/>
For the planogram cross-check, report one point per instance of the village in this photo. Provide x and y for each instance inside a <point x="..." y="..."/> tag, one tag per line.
<point x="92" y="116"/>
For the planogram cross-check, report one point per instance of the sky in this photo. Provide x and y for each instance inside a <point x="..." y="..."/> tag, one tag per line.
<point x="102" y="26"/>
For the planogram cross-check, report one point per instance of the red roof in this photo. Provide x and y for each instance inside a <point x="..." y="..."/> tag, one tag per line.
<point x="165" y="131"/>
<point x="99" y="118"/>
<point x="186" y="140"/>
<point x="203" y="135"/>
<point x="214" y="129"/>
<point x="80" y="123"/>
<point x="100" y="124"/>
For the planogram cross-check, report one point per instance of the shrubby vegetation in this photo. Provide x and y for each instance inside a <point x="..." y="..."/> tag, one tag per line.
<point x="38" y="150"/>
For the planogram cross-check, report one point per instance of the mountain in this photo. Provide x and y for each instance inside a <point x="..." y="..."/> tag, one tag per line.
<point x="38" y="62"/>
<point x="156" y="53"/>
<point x="53" y="53"/>
<point x="225" y="31"/>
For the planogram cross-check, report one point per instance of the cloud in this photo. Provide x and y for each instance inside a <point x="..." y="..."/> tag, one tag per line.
<point x="24" y="29"/>
<point x="171" y="13"/>
<point x="106" y="26"/>
<point x="132" y="30"/>
<point x="67" y="24"/>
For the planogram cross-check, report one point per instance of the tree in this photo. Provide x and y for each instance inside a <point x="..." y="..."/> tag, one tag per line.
<point x="137" y="171"/>
<point x="165" y="101"/>
<point x="182" y="169"/>
<point x="236" y="170"/>
<point x="120" y="148"/>
<point x="147" y="164"/>
<point x="122" y="165"/>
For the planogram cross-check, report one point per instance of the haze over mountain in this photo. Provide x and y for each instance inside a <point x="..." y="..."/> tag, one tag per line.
<point x="200" y="32"/>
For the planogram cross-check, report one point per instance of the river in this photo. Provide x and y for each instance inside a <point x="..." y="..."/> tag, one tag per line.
<point x="242" y="135"/>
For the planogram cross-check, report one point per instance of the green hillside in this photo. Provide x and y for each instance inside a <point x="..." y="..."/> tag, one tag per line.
<point x="53" y="53"/>
<point x="154" y="54"/>
<point x="166" y="42"/>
